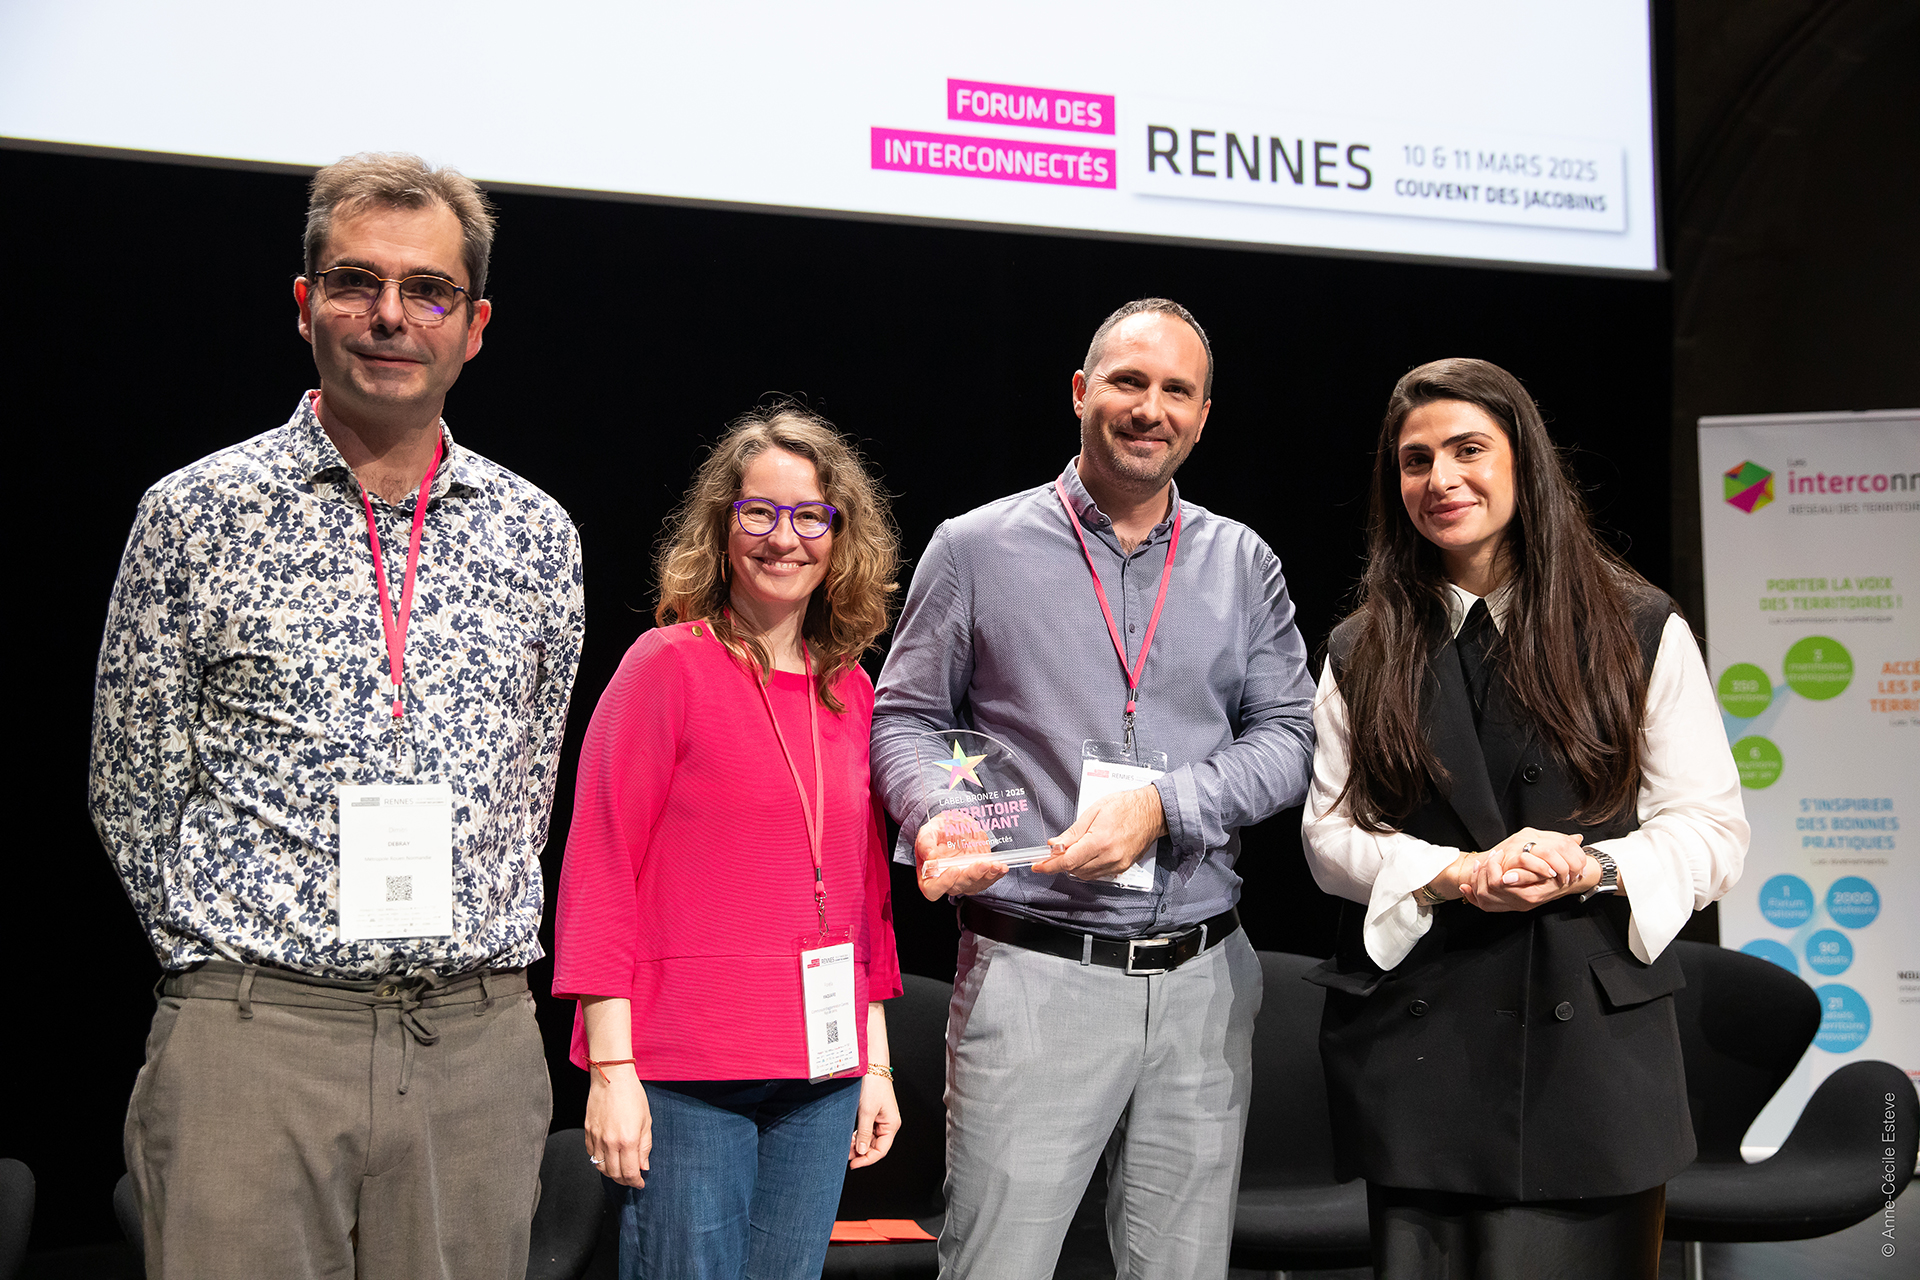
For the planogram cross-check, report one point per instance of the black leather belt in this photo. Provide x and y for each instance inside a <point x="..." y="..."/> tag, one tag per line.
<point x="1141" y="957"/>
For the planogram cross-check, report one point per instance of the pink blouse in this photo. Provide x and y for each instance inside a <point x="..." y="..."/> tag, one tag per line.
<point x="688" y="879"/>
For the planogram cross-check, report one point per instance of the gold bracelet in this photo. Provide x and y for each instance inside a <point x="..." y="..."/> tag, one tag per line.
<point x="880" y="1069"/>
<point x="1426" y="894"/>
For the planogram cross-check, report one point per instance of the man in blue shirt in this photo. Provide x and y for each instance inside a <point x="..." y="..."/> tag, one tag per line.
<point x="1097" y="1007"/>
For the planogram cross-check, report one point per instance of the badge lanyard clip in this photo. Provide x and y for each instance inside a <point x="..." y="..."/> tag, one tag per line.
<point x="393" y="622"/>
<point x="1133" y="672"/>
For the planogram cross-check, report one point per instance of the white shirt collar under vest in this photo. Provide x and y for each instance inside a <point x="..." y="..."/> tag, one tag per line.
<point x="1460" y="600"/>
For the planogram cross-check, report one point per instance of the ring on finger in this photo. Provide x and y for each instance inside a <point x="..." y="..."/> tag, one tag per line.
<point x="1527" y="847"/>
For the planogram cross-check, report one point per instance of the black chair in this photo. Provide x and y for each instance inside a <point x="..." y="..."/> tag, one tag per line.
<point x="566" y="1226"/>
<point x="126" y="1212"/>
<point x="16" y="1215"/>
<point x="1744" y="1024"/>
<point x="1292" y="1213"/>
<point x="909" y="1183"/>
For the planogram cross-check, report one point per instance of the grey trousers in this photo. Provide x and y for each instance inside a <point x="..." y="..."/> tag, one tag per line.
<point x="1050" y="1063"/>
<point x="358" y="1131"/>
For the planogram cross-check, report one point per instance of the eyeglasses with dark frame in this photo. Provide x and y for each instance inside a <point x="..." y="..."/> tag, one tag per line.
<point x="354" y="291"/>
<point x="757" y="517"/>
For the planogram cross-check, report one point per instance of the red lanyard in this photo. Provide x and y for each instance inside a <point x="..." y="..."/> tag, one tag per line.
<point x="816" y="812"/>
<point x="394" y="622"/>
<point x="1113" y="629"/>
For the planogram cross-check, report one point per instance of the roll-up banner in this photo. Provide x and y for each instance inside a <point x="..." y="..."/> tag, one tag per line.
<point x="1810" y="529"/>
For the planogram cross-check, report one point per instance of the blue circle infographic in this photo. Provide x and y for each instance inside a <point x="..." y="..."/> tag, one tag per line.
<point x="1777" y="952"/>
<point x="1852" y="902"/>
<point x="1844" y="1019"/>
<point x="1787" y="901"/>
<point x="1829" y="952"/>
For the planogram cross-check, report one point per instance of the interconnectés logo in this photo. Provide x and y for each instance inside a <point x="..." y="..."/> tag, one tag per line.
<point x="1749" y="487"/>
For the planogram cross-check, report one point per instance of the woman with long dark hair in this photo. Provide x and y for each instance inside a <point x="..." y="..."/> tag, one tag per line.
<point x="724" y="915"/>
<point x="1523" y="790"/>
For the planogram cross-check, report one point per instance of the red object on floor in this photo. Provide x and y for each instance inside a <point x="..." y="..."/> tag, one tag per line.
<point x="899" y="1228"/>
<point x="856" y="1233"/>
<point x="878" y="1231"/>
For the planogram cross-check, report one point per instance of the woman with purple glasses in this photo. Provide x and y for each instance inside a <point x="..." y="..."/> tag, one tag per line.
<point x="724" y="917"/>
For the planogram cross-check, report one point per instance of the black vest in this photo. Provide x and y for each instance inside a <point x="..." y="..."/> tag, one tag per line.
<point x="1520" y="1055"/>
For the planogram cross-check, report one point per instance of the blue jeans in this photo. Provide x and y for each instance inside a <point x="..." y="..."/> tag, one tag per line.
<point x="745" y="1180"/>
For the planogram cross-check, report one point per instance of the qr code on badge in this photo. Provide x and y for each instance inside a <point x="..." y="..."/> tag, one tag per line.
<point x="399" y="888"/>
<point x="833" y="1033"/>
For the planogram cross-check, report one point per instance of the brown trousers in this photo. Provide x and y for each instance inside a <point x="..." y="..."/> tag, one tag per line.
<point x="293" y="1127"/>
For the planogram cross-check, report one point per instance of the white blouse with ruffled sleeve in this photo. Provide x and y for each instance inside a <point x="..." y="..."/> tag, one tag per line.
<point x="1687" y="852"/>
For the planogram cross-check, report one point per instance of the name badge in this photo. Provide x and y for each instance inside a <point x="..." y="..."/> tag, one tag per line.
<point x="1107" y="768"/>
<point x="826" y="997"/>
<point x="396" y="861"/>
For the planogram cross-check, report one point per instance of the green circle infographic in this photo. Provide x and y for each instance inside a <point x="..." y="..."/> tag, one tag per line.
<point x="1818" y="668"/>
<point x="1759" y="762"/>
<point x="1745" y="690"/>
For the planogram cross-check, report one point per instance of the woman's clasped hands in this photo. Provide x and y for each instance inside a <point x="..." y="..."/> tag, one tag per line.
<point x="1527" y="869"/>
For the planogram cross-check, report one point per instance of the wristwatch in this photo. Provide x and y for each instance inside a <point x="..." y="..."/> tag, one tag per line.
<point x="1609" y="872"/>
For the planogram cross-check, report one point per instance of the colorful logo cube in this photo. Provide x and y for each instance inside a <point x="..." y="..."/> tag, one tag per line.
<point x="1749" y="486"/>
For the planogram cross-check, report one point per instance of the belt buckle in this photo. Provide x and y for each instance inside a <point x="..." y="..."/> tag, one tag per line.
<point x="1133" y="946"/>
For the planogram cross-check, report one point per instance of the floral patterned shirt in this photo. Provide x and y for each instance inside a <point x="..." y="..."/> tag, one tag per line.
<point x="243" y="678"/>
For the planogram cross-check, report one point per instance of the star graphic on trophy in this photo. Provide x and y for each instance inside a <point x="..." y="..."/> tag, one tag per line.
<point x="960" y="765"/>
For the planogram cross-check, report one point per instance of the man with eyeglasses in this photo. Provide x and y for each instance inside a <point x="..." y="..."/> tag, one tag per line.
<point x="327" y="723"/>
<point x="1138" y="653"/>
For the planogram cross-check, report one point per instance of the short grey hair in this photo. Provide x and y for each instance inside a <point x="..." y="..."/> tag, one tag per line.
<point x="401" y="181"/>
<point x="1161" y="306"/>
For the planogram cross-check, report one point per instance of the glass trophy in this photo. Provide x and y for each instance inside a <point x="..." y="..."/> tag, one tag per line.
<point x="976" y="790"/>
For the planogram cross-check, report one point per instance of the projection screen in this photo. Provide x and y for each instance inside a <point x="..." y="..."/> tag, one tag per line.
<point x="1487" y="130"/>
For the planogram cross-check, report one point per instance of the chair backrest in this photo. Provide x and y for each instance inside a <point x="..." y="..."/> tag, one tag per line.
<point x="566" y="1223"/>
<point x="126" y="1212"/>
<point x="1289" y="1137"/>
<point x="1744" y="1023"/>
<point x="908" y="1183"/>
<point x="16" y="1215"/>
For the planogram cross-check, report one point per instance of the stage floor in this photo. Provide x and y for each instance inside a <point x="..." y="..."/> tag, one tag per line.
<point x="1853" y="1254"/>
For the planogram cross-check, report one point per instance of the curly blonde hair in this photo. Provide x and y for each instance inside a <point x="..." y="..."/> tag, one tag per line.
<point x="850" y="608"/>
